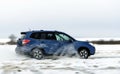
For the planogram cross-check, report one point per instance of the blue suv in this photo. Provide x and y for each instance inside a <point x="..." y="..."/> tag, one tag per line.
<point x="41" y="43"/>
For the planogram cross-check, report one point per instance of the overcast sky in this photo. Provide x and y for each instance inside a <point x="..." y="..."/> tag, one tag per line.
<point x="79" y="18"/>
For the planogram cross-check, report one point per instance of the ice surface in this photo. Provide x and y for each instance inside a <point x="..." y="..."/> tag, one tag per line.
<point x="105" y="61"/>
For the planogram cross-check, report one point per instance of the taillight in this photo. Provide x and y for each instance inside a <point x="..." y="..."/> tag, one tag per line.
<point x="25" y="41"/>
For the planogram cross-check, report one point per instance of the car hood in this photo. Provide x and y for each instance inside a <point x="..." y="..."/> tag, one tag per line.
<point x="86" y="42"/>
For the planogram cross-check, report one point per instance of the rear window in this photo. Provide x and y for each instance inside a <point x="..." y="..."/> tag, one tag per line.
<point x="23" y="35"/>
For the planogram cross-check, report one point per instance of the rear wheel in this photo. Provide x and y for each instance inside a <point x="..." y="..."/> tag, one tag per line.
<point x="37" y="53"/>
<point x="83" y="53"/>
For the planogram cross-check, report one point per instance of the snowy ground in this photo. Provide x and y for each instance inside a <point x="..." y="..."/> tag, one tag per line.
<point x="105" y="61"/>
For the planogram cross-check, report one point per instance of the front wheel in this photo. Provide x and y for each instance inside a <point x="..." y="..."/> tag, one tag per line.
<point x="83" y="53"/>
<point x="37" y="53"/>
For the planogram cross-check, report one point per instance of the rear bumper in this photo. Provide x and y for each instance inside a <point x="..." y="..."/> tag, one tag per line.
<point x="22" y="50"/>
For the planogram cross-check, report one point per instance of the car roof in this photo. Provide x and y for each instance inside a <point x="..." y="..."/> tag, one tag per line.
<point x="40" y="31"/>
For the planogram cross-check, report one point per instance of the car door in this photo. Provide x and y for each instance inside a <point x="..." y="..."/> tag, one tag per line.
<point x="48" y="40"/>
<point x="66" y="43"/>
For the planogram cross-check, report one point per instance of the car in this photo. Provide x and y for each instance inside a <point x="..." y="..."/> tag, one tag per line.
<point x="41" y="43"/>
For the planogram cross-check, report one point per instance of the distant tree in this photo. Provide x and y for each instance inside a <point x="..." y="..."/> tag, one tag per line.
<point x="12" y="38"/>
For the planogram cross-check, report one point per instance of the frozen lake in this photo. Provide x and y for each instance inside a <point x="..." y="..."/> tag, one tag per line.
<point x="105" y="61"/>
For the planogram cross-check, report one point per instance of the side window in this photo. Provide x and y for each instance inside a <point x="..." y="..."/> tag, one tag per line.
<point x="50" y="36"/>
<point x="58" y="38"/>
<point x="35" y="35"/>
<point x="62" y="37"/>
<point x="66" y="38"/>
<point x="39" y="35"/>
<point x="43" y="36"/>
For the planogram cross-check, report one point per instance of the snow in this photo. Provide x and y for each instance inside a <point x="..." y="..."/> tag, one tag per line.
<point x="96" y="39"/>
<point x="4" y="40"/>
<point x="105" y="61"/>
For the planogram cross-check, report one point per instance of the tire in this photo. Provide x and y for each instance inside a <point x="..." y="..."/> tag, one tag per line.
<point x="83" y="53"/>
<point x="37" y="54"/>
